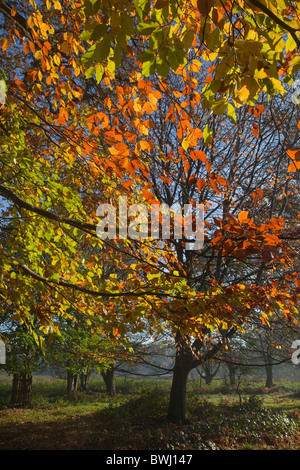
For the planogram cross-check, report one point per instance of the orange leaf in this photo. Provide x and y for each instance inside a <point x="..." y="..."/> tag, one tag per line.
<point x="148" y="195"/>
<point x="243" y="217"/>
<point x="143" y="145"/>
<point x="25" y="48"/>
<point x="294" y="166"/>
<point x="208" y="79"/>
<point x="32" y="46"/>
<point x="4" y="44"/>
<point x="119" y="149"/>
<point x="198" y="155"/>
<point x="255" y="130"/>
<point x="127" y="184"/>
<point x="294" y="154"/>
<point x="271" y="240"/>
<point x="258" y="110"/>
<point x="20" y="84"/>
<point x="63" y="116"/>
<point x="103" y="118"/>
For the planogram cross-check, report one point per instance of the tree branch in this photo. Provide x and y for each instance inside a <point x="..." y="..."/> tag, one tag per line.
<point x="81" y="289"/>
<point x="277" y="20"/>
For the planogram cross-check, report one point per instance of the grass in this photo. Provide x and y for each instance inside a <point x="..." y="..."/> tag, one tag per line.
<point x="136" y="417"/>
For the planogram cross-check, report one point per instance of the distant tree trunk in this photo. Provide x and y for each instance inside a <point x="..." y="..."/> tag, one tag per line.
<point x="84" y="382"/>
<point x="266" y="348"/>
<point x="109" y="379"/>
<point x="72" y="381"/>
<point x="269" y="372"/>
<point x="208" y="370"/>
<point x="21" y="391"/>
<point x="232" y="374"/>
<point x="208" y="377"/>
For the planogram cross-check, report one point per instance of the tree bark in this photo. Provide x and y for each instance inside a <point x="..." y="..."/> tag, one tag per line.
<point x="178" y="403"/>
<point x="72" y="380"/>
<point x="187" y="358"/>
<point x="84" y="382"/>
<point x="269" y="379"/>
<point x="232" y="374"/>
<point x="109" y="379"/>
<point x="183" y="364"/>
<point x="21" y="393"/>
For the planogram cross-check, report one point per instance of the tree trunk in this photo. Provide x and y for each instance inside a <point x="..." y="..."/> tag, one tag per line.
<point x="183" y="364"/>
<point x="187" y="358"/>
<point x="269" y="380"/>
<point x="84" y="382"/>
<point x="109" y="379"/>
<point x="177" y="404"/>
<point x="72" y="383"/>
<point x="232" y="374"/>
<point x="21" y="391"/>
<point x="208" y="375"/>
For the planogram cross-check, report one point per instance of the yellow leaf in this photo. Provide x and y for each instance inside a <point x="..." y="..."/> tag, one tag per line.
<point x="243" y="93"/>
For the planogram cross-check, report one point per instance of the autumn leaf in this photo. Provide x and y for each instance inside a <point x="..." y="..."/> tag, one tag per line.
<point x="255" y="130"/>
<point x="198" y="155"/>
<point x="63" y="116"/>
<point x="127" y="184"/>
<point x="204" y="6"/>
<point x="294" y="154"/>
<point x="243" y="217"/>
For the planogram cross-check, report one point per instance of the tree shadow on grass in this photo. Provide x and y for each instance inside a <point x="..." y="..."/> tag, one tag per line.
<point x="139" y="423"/>
<point x="129" y="425"/>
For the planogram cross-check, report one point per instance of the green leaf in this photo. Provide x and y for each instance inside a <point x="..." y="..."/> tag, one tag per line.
<point x="162" y="67"/>
<point x="127" y="24"/>
<point x="173" y="60"/>
<point x="99" y="32"/>
<point x="207" y="134"/>
<point x="295" y="64"/>
<point x="55" y="277"/>
<point x="147" y="27"/>
<point x="88" y="58"/>
<point x="142" y="8"/>
<point x="91" y="7"/>
<point x="188" y="38"/>
<point x="146" y="56"/>
<point x="102" y="49"/>
<point x="149" y="67"/>
<point x="90" y="72"/>
<point x="161" y="4"/>
<point x="99" y="73"/>
<point x="231" y="112"/>
<point x="219" y="106"/>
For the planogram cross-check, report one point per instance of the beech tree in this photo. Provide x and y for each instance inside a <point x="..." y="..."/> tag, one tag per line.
<point x="157" y="67"/>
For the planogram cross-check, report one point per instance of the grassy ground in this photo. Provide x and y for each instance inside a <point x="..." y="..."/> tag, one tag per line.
<point x="135" y="419"/>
